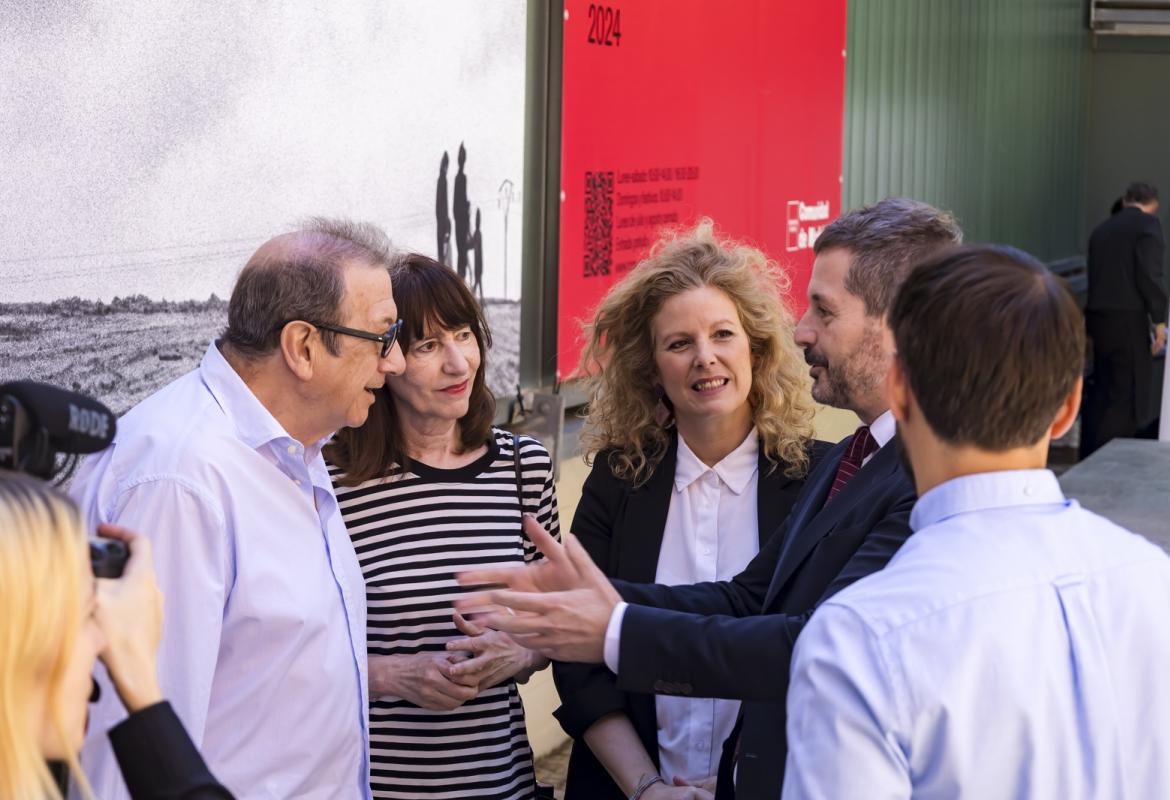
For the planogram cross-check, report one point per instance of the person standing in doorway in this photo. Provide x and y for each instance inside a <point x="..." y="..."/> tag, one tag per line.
<point x="1127" y="296"/>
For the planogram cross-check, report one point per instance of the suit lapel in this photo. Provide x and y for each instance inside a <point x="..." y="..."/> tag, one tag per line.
<point x="645" y="521"/>
<point x="818" y="519"/>
<point x="769" y="513"/>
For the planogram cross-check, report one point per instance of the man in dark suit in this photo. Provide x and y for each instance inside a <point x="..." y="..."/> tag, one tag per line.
<point x="734" y="639"/>
<point x="1126" y="297"/>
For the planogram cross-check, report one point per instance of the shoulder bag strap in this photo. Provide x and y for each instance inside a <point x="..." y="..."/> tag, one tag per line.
<point x="519" y="478"/>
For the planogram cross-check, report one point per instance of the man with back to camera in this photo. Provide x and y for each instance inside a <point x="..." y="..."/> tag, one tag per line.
<point x="734" y="639"/>
<point x="1126" y="296"/>
<point x="1016" y="645"/>
<point x="264" y="643"/>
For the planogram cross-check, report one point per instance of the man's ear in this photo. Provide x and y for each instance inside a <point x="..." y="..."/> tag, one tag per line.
<point x="299" y="349"/>
<point x="1067" y="413"/>
<point x="898" y="391"/>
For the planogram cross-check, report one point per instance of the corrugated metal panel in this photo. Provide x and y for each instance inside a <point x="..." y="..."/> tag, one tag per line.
<point x="977" y="106"/>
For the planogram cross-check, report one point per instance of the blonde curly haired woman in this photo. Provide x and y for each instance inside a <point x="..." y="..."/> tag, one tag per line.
<point x="55" y="621"/>
<point x="700" y="428"/>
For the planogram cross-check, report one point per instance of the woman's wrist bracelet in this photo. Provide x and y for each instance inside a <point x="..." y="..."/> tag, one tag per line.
<point x="645" y="784"/>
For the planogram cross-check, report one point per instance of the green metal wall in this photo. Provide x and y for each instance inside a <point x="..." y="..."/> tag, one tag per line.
<point x="1129" y="127"/>
<point x="977" y="106"/>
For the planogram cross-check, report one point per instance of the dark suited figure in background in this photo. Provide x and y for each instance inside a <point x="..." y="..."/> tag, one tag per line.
<point x="734" y="639"/>
<point x="1126" y="296"/>
<point x="462" y="214"/>
<point x="442" y="217"/>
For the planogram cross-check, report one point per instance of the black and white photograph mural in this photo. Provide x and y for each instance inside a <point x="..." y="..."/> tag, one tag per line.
<point x="151" y="145"/>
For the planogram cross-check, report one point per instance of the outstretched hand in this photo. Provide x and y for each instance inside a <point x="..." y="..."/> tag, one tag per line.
<point x="556" y="572"/>
<point x="559" y="606"/>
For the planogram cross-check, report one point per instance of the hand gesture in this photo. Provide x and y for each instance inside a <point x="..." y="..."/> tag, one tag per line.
<point x="681" y="790"/>
<point x="494" y="656"/>
<point x="559" y="607"/>
<point x="662" y="791"/>
<point x="423" y="678"/>
<point x="129" y="611"/>
<point x="706" y="784"/>
<point x="553" y="573"/>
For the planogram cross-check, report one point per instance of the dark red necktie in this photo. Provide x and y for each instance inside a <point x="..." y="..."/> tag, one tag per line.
<point x="862" y="445"/>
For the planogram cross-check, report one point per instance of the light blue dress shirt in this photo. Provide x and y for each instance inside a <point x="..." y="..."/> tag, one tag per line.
<point x="1015" y="647"/>
<point x="264" y="640"/>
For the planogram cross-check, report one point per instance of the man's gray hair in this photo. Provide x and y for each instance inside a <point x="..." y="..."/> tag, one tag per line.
<point x="300" y="276"/>
<point x="885" y="241"/>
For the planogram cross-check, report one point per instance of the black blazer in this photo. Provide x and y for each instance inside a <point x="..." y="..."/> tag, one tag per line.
<point x="1125" y="265"/>
<point x="735" y="638"/>
<point x="158" y="759"/>
<point x="622" y="529"/>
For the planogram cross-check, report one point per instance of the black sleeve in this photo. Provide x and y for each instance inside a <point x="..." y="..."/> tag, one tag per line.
<point x="739" y="658"/>
<point x="742" y="596"/>
<point x="589" y="691"/>
<point x="1150" y="250"/>
<point x="602" y="497"/>
<point x="158" y="759"/>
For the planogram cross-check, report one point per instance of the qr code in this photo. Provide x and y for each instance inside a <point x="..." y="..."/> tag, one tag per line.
<point x="598" y="223"/>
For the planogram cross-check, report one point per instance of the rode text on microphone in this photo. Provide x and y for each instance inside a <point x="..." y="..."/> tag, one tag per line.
<point x="44" y="429"/>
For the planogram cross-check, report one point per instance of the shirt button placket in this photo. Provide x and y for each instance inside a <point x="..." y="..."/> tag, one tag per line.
<point x="709" y="532"/>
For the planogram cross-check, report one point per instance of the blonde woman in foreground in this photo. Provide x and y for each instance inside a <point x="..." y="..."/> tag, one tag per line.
<point x="700" y="430"/>
<point x="56" y="620"/>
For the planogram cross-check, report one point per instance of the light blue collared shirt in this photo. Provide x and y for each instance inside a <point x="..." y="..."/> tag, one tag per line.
<point x="264" y="640"/>
<point x="1015" y="647"/>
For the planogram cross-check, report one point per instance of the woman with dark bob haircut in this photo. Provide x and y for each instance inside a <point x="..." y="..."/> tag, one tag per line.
<point x="428" y="488"/>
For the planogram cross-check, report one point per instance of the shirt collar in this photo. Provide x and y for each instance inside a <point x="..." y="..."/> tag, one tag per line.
<point x="255" y="425"/>
<point x="883" y="428"/>
<point x="736" y="469"/>
<point x="984" y="491"/>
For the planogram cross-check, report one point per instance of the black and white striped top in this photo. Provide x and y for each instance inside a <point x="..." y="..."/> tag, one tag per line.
<point x="412" y="532"/>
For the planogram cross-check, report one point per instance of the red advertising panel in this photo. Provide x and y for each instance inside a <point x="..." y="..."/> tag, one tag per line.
<point x="679" y="109"/>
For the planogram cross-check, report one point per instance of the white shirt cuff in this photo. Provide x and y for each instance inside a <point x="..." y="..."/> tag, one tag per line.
<point x="613" y="637"/>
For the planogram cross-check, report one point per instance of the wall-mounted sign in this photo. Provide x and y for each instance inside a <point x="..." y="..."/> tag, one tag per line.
<point x="679" y="109"/>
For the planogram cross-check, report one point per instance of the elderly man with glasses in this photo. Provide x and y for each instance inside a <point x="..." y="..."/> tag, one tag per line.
<point x="264" y="651"/>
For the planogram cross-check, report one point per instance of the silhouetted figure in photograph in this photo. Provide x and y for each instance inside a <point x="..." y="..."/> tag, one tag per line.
<point x="442" y="218"/>
<point x="1126" y="298"/>
<point x="462" y="213"/>
<point x="477" y="258"/>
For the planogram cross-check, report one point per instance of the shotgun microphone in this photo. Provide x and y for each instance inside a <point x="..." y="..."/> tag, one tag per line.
<point x="38" y="422"/>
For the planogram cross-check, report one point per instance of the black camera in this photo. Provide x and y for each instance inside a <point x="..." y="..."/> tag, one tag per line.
<point x="108" y="557"/>
<point x="43" y="431"/>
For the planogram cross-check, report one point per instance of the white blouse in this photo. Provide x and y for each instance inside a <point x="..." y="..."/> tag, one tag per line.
<point x="711" y="534"/>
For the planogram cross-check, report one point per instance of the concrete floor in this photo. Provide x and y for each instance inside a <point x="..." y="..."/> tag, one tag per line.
<point x="1126" y="481"/>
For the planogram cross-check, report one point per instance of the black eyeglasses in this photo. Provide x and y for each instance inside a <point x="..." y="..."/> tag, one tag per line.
<point x="387" y="339"/>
